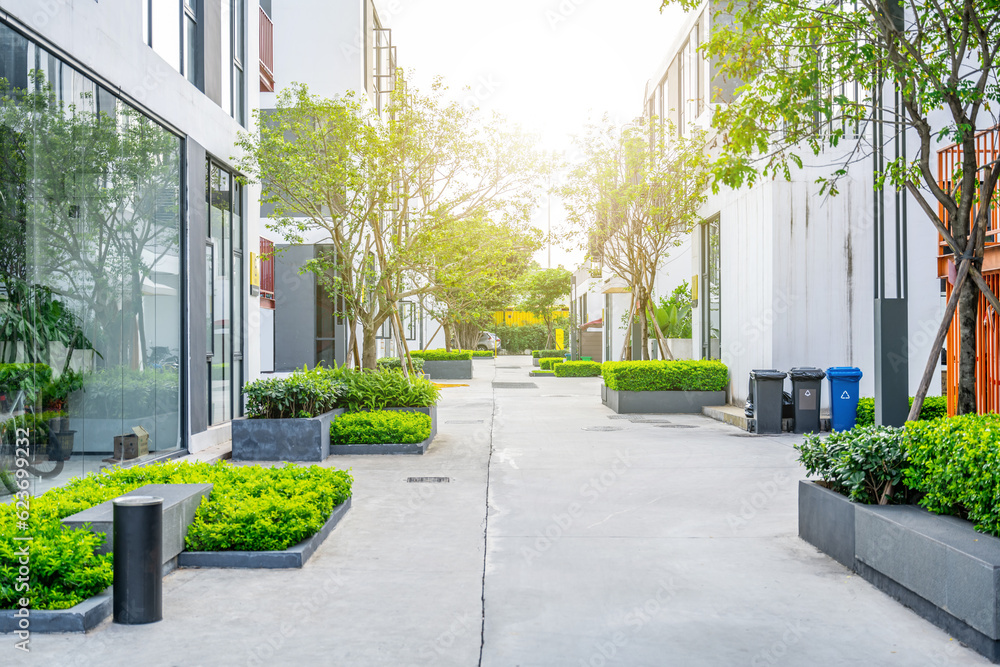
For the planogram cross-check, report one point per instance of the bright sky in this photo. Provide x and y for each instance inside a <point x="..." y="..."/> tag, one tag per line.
<point x="548" y="65"/>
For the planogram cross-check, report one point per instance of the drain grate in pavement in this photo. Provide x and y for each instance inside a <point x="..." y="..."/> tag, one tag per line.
<point x="428" y="480"/>
<point x="603" y="428"/>
<point x="675" y="426"/>
<point x="465" y="421"/>
<point x="515" y="385"/>
<point x="620" y="417"/>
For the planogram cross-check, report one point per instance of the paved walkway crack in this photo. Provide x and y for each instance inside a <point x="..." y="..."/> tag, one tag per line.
<point x="486" y="521"/>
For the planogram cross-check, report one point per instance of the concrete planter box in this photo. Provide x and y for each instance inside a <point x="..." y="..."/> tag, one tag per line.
<point x="449" y="370"/>
<point x="392" y="448"/>
<point x="180" y="503"/>
<point x="534" y="362"/>
<point x="938" y="566"/>
<point x="660" y="402"/>
<point x="79" y="618"/>
<point x="292" y="557"/>
<point x="283" y="439"/>
<point x="826" y="521"/>
<point x="541" y="374"/>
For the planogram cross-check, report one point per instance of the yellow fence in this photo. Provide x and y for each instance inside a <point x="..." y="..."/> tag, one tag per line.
<point x="519" y="318"/>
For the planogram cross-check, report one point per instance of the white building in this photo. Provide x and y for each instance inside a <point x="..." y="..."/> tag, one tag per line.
<point x="782" y="275"/>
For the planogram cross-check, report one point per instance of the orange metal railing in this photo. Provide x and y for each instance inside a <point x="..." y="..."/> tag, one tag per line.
<point x="267" y="269"/>
<point x="950" y="162"/>
<point x="266" y="53"/>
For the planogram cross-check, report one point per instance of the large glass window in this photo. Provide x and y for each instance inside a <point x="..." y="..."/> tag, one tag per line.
<point x="171" y="28"/>
<point x="90" y="269"/>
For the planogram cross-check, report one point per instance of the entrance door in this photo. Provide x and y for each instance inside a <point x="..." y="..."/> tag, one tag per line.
<point x="711" y="322"/>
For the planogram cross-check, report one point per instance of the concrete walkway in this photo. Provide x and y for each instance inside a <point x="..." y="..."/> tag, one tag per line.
<point x="666" y="541"/>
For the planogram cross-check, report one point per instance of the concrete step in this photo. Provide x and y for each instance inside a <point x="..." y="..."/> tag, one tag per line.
<point x="735" y="415"/>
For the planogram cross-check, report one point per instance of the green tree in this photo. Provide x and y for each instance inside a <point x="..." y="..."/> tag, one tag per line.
<point x="631" y="197"/>
<point x="799" y="62"/>
<point x="542" y="290"/>
<point x="382" y="189"/>
<point x="471" y="270"/>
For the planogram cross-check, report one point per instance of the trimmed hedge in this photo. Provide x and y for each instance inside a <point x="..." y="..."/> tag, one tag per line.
<point x="956" y="462"/>
<point x="546" y="354"/>
<point x="541" y="372"/>
<point x="934" y="407"/>
<point x="580" y="369"/>
<point x="395" y="364"/>
<point x="251" y="508"/>
<point x="442" y="355"/>
<point x="683" y="375"/>
<point x="547" y="363"/>
<point x="479" y="354"/>
<point x="534" y="354"/>
<point x="380" y="427"/>
<point x="306" y="393"/>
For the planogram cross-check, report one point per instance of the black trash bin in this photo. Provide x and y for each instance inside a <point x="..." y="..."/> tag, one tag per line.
<point x="807" y="385"/>
<point x="138" y="559"/>
<point x="766" y="388"/>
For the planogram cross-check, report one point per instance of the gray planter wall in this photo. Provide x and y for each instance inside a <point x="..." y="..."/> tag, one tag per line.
<point x="938" y="566"/>
<point x="660" y="402"/>
<point x="283" y="439"/>
<point x="449" y="370"/>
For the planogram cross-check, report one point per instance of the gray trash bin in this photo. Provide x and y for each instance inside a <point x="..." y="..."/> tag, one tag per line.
<point x="767" y="385"/>
<point x="807" y="387"/>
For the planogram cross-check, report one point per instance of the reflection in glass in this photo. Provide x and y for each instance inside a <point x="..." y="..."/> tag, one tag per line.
<point x="89" y="266"/>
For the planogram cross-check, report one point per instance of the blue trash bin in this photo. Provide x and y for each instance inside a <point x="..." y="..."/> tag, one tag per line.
<point x="844" y="388"/>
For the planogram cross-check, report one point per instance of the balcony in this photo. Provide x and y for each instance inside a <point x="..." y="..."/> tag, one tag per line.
<point x="266" y="53"/>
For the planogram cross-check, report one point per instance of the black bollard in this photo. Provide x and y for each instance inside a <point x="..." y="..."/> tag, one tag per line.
<point x="138" y="556"/>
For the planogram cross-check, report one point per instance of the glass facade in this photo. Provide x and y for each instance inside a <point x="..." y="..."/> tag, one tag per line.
<point x="90" y="268"/>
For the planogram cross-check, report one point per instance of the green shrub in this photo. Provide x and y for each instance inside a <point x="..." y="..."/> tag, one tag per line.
<point x="955" y="462"/>
<point x="442" y="355"/>
<point x="517" y="339"/>
<point x="582" y="369"/>
<point x="534" y="353"/>
<point x="547" y="363"/>
<point x="116" y="392"/>
<point x="306" y="393"/>
<point x="37" y="424"/>
<point x="394" y="363"/>
<point x="934" y="407"/>
<point x="684" y="375"/>
<point x="547" y="354"/>
<point x="865" y="463"/>
<point x="250" y="508"/>
<point x="482" y="353"/>
<point x="31" y="378"/>
<point x="368" y="390"/>
<point x="54" y="394"/>
<point x="380" y="427"/>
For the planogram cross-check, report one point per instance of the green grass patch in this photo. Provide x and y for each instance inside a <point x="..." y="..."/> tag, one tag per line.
<point x="251" y="508"/>
<point x="380" y="427"/>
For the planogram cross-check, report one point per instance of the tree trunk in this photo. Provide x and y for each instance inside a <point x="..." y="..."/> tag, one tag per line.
<point x="643" y="326"/>
<point x="968" y="314"/>
<point x="447" y="335"/>
<point x="369" y="350"/>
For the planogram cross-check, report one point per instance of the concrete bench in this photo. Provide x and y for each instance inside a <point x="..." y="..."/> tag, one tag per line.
<point x="180" y="502"/>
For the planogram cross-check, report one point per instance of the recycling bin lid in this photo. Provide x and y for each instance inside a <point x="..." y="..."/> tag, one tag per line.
<point x="806" y="373"/>
<point x="767" y="374"/>
<point x="844" y="373"/>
